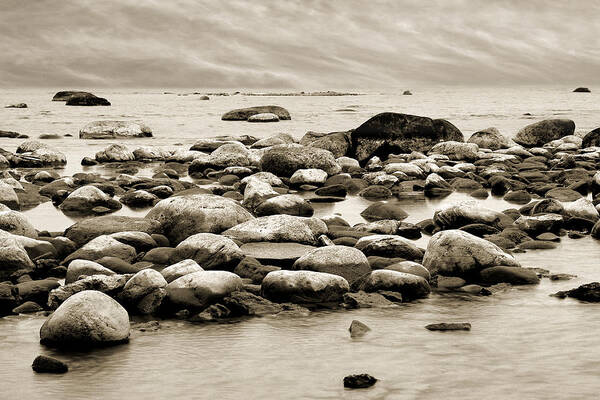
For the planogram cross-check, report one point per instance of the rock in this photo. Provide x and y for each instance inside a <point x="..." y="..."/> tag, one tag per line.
<point x="8" y="196"/>
<point x="115" y="152"/>
<point x="312" y="176"/>
<point x="114" y="129"/>
<point x="591" y="139"/>
<point x="90" y="228"/>
<point x="518" y="197"/>
<point x="449" y="282"/>
<point x="563" y="194"/>
<point x="456" y="150"/>
<point x="28" y="307"/>
<point x="469" y="212"/>
<point x="582" y="90"/>
<point x="338" y="143"/>
<point x="184" y="216"/>
<point x="362" y="299"/>
<point x="86" y="319"/>
<point x="512" y="275"/>
<point x="151" y="153"/>
<point x="388" y="133"/>
<point x="539" y="224"/>
<point x="410" y="286"/>
<point x="407" y="93"/>
<point x="449" y="326"/>
<point x="210" y="251"/>
<point x="243" y="303"/>
<point x="145" y="290"/>
<point x="250" y="268"/>
<point x="8" y="299"/>
<point x="389" y="246"/>
<point x="103" y="246"/>
<point x="410" y="267"/>
<point x="36" y="291"/>
<point x="263" y="117"/>
<point x="108" y="284"/>
<point x="303" y="287"/>
<point x="279" y="254"/>
<point x="9" y="134"/>
<point x="86" y="99"/>
<point x="382" y="211"/>
<point x="256" y="192"/>
<point x="85" y="198"/>
<point x="45" y="364"/>
<point x="458" y="253"/>
<point x="358" y="329"/>
<point x="360" y="381"/>
<point x="492" y="139"/>
<point x="180" y="269"/>
<point x="242" y="114"/>
<point x="589" y="292"/>
<point x="13" y="256"/>
<point x="540" y="133"/>
<point x="79" y="268"/>
<point x="138" y="199"/>
<point x="344" y="261"/>
<point x="16" y="105"/>
<point x="16" y="223"/>
<point x="200" y="289"/>
<point x="278" y="228"/>
<point x="228" y="155"/>
<point x="290" y="204"/>
<point x="284" y="160"/>
<point x="66" y="94"/>
<point x="35" y="154"/>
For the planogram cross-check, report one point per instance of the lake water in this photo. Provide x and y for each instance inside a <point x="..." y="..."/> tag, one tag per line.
<point x="524" y="344"/>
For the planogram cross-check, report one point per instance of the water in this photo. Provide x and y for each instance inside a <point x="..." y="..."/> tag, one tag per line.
<point x="524" y="343"/>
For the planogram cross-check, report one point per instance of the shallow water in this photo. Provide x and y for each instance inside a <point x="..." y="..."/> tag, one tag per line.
<point x="523" y="344"/>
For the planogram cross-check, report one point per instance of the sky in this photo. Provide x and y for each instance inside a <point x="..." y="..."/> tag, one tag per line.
<point x="309" y="44"/>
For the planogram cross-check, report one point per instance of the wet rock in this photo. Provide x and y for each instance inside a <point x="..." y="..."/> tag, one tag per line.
<point x="36" y="291"/>
<point x="145" y="291"/>
<point x="360" y="381"/>
<point x="200" y="289"/>
<point x="458" y="253"/>
<point x="242" y="303"/>
<point x="388" y="133"/>
<point x="256" y="192"/>
<point x="138" y="198"/>
<point x="79" y="268"/>
<point x="16" y="105"/>
<point x="86" y="99"/>
<point x="278" y="228"/>
<point x="563" y="194"/>
<point x="491" y="138"/>
<point x="449" y="282"/>
<point x="358" y="329"/>
<point x="589" y="292"/>
<point x="362" y="299"/>
<point x="312" y="176"/>
<point x="8" y="196"/>
<point x="110" y="285"/>
<point x="28" y="307"/>
<point x="411" y="286"/>
<point x="66" y="94"/>
<point x="242" y="114"/>
<point x="13" y="256"/>
<point x="469" y="212"/>
<point x="582" y="90"/>
<point x="592" y="138"/>
<point x="90" y="228"/>
<point x="303" y="287"/>
<point x="480" y="230"/>
<point x="338" y="143"/>
<point x="346" y="262"/>
<point x="9" y="134"/>
<point x="114" y="153"/>
<point x="540" y="133"/>
<point x="410" y="267"/>
<point x="376" y="192"/>
<point x="45" y="364"/>
<point x="449" y="326"/>
<point x="435" y="186"/>
<point x="389" y="246"/>
<point x="210" y="251"/>
<point x="8" y="299"/>
<point x="540" y="223"/>
<point x="184" y="216"/>
<point x="85" y="198"/>
<point x="284" y="160"/>
<point x="518" y="197"/>
<point x="279" y="254"/>
<point x="512" y="275"/>
<point x="16" y="223"/>
<point x="537" y="245"/>
<point x="180" y="269"/>
<point x="250" y="268"/>
<point x="456" y="150"/>
<point x="290" y="204"/>
<point x="103" y="246"/>
<point x="114" y="129"/>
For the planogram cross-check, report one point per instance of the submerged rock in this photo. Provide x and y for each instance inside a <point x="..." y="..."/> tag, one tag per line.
<point x="360" y="381"/>
<point x="358" y="329"/>
<point x="45" y="364"/>
<point x="242" y="114"/>
<point x="114" y="129"/>
<point x="449" y="326"/>
<point x="86" y="319"/>
<point x="410" y="286"/>
<point x="86" y="99"/>
<point x="589" y="292"/>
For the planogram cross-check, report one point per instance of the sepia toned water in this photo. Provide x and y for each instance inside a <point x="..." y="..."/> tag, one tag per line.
<point x="523" y="344"/>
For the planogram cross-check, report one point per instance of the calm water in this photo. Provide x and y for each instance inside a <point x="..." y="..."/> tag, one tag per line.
<point x="524" y="344"/>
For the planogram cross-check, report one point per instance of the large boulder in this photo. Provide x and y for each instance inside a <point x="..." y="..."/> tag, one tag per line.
<point x="492" y="139"/>
<point x="303" y="287"/>
<point x="512" y="275"/>
<point x="90" y="228"/>
<point x="103" y="246"/>
<point x="180" y="269"/>
<point x="144" y="291"/>
<point x="469" y="212"/>
<point x="458" y="253"/>
<point x="257" y="191"/>
<point x="16" y="223"/>
<point x="456" y="150"/>
<point x="592" y="138"/>
<point x="242" y="114"/>
<point x="210" y="251"/>
<point x="290" y="204"/>
<point x="200" y="289"/>
<point x="285" y="159"/>
<point x="65" y="94"/>
<point x="390" y="246"/>
<point x="338" y="143"/>
<point x="86" y="319"/>
<point x="388" y="133"/>
<point x="85" y="198"/>
<point x="8" y="196"/>
<point x="347" y="262"/>
<point x="114" y="153"/>
<point x="184" y="216"/>
<point x="542" y="132"/>
<point x="582" y="208"/>
<point x="83" y="268"/>
<point x="86" y="99"/>
<point x="278" y="228"/>
<point x="114" y="129"/>
<point x="410" y="286"/>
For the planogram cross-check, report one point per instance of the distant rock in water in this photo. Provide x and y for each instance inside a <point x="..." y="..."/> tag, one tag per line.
<point x="589" y="292"/>
<point x="360" y="381"/>
<point x="16" y="105"/>
<point x="449" y="326"/>
<point x="407" y="93"/>
<point x="66" y="94"/>
<point x="114" y="129"/>
<point x="390" y="132"/>
<point x="45" y="364"/>
<point x="540" y="133"/>
<point x="204" y="98"/>
<point x="242" y="114"/>
<point x="582" y="90"/>
<point x="86" y="99"/>
<point x="9" y="134"/>
<point x="263" y="117"/>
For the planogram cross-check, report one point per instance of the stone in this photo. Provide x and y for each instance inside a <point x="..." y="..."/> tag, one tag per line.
<point x="79" y="268"/>
<point x="184" y="216"/>
<point x="389" y="246"/>
<point x="289" y="204"/>
<point x="16" y="223"/>
<point x="263" y="117"/>
<point x="90" y="228"/>
<point x="591" y="139"/>
<point x="180" y="269"/>
<point x="360" y="381"/>
<point x="582" y="90"/>
<point x="589" y="292"/>
<point x="456" y="150"/>
<point x="242" y="303"/>
<point x="491" y="138"/>
<point x="279" y="254"/>
<point x="382" y="211"/>
<point x="542" y="132"/>
<point x="362" y="299"/>
<point x="303" y="287"/>
<point x="469" y="212"/>
<point x="210" y="251"/>
<point x="284" y="160"/>
<point x="8" y="196"/>
<point x="28" y="307"/>
<point x="512" y="275"/>
<point x="114" y="129"/>
<point x="66" y="94"/>
<point x="344" y="261"/>
<point x="458" y="253"/>
<point x="103" y="246"/>
<point x="278" y="228"/>
<point x="411" y="286"/>
<point x="86" y="319"/>
<point x="449" y="326"/>
<point x="200" y="289"/>
<point x="85" y="198"/>
<point x="256" y="192"/>
<point x="388" y="132"/>
<point x="108" y="284"/>
<point x="114" y="153"/>
<point x="45" y="364"/>
<point x="358" y="329"/>
<point x="538" y="224"/>
<point x="410" y="267"/>
<point x="13" y="256"/>
<point x="312" y="176"/>
<point x="338" y="143"/>
<point x="242" y="114"/>
<point x="250" y="268"/>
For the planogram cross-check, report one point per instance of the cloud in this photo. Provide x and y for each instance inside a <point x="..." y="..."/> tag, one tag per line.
<point x="297" y="44"/>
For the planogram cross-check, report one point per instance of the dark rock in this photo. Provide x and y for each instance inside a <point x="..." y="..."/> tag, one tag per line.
<point x="540" y="133"/>
<point x="381" y="211"/>
<point x="362" y="299"/>
<point x="358" y="329"/>
<point x="90" y="228"/>
<point x="242" y="114"/>
<point x="512" y="275"/>
<point x="27" y="308"/>
<point x="360" y="381"/>
<point x="582" y="90"/>
<point x="592" y="138"/>
<point x="45" y="364"/>
<point x="449" y="326"/>
<point x="86" y="99"/>
<point x="589" y="292"/>
<point x="285" y="159"/>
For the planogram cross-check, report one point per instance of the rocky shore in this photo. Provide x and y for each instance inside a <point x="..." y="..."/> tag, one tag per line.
<point x="229" y="231"/>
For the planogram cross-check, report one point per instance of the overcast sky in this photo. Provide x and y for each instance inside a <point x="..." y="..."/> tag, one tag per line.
<point x="297" y="44"/>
